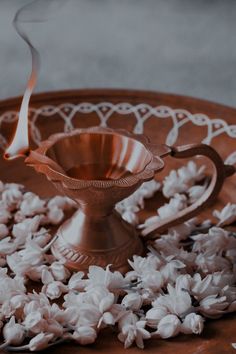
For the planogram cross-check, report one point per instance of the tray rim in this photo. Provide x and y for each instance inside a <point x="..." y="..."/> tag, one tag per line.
<point x="113" y="92"/>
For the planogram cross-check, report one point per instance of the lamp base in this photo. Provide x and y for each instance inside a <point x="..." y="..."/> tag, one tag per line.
<point x="86" y="240"/>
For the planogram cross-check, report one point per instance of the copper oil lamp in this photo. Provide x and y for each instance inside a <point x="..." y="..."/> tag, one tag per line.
<point x="98" y="167"/>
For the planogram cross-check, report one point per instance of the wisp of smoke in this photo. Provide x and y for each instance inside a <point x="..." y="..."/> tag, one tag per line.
<point x="34" y="12"/>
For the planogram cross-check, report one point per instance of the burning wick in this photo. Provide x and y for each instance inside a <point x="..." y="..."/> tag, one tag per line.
<point x="19" y="146"/>
<point x="37" y="11"/>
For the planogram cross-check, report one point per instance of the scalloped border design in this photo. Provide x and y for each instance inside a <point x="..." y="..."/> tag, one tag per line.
<point x="142" y="113"/>
<point x="36" y="157"/>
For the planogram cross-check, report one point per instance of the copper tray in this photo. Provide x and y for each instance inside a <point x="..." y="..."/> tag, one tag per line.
<point x="164" y="118"/>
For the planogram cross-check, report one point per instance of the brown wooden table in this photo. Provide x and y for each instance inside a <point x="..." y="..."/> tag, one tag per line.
<point x="219" y="334"/>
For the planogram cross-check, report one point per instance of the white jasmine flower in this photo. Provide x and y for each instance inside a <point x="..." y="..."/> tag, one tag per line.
<point x="34" y="322"/>
<point x="177" y="203"/>
<point x="188" y="258"/>
<point x="171" y="270"/>
<point x="11" y="197"/>
<point x="190" y="173"/>
<point x="202" y="288"/>
<point x="107" y="319"/>
<point x="32" y="204"/>
<point x="42" y="237"/>
<point x="3" y="231"/>
<point x="47" y="276"/>
<point x="33" y="305"/>
<point x="33" y="223"/>
<point x="177" y="301"/>
<point x="55" y="215"/>
<point x="155" y="314"/>
<point x="216" y="241"/>
<point x="130" y="217"/>
<point x="76" y="281"/>
<point x="90" y="305"/>
<point x="13" y="333"/>
<point x="100" y="297"/>
<point x="192" y="323"/>
<point x="149" y="221"/>
<point x="117" y="311"/>
<point x="18" y="301"/>
<point x="213" y="306"/>
<point x="99" y="276"/>
<point x="54" y="289"/>
<point x="70" y="316"/>
<point x="61" y="202"/>
<point x="7" y="246"/>
<point x="13" y="186"/>
<point x="179" y="181"/>
<point x="148" y="189"/>
<point x="143" y="265"/>
<point x="6" y="310"/>
<point x="222" y="279"/>
<point x="182" y="231"/>
<point x="84" y="335"/>
<point x="172" y="184"/>
<point x="52" y="326"/>
<point x="35" y="273"/>
<point x="196" y="192"/>
<point x="65" y="317"/>
<point x="88" y="315"/>
<point x="169" y="326"/>
<point x="183" y="283"/>
<point x="136" y="200"/>
<point x="40" y="341"/>
<point x="132" y="330"/>
<point x="148" y="295"/>
<point x="32" y="253"/>
<point x="229" y="292"/>
<point x="132" y="301"/>
<point x="226" y="216"/>
<point x="93" y="307"/>
<point x="71" y="299"/>
<point x="23" y="230"/>
<point x="59" y="271"/>
<point x="152" y="280"/>
<point x="168" y="247"/>
<point x="211" y="263"/>
<point x="40" y="299"/>
<point x="17" y="265"/>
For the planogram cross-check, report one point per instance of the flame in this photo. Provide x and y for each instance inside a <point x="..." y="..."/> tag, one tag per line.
<point x="37" y="11"/>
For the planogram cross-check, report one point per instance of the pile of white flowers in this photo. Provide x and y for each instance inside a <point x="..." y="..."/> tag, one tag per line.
<point x="187" y="275"/>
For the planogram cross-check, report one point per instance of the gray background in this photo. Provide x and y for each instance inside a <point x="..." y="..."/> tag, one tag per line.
<point x="179" y="46"/>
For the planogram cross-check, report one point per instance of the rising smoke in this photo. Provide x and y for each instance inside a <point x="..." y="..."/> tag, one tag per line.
<point x="38" y="11"/>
